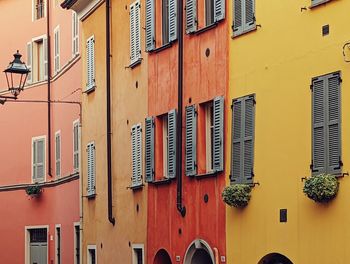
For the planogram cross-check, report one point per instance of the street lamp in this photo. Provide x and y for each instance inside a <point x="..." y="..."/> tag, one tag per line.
<point x="16" y="76"/>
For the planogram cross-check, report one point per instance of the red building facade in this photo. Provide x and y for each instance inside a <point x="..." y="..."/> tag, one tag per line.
<point x="40" y="132"/>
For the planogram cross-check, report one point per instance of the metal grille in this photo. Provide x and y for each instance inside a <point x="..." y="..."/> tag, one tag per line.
<point x="38" y="235"/>
<point x="77" y="244"/>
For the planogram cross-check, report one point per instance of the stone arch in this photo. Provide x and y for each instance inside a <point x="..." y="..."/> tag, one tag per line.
<point x="275" y="258"/>
<point x="199" y="252"/>
<point x="162" y="257"/>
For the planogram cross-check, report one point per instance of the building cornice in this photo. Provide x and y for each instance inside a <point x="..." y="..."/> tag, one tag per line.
<point x="83" y="7"/>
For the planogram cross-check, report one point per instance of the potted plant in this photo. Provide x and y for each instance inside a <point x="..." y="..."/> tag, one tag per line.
<point x="34" y="190"/>
<point x="237" y="195"/>
<point x="321" y="188"/>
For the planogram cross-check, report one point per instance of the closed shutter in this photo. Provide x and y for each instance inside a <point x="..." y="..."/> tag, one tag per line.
<point x="137" y="30"/>
<point x="29" y="61"/>
<point x="38" y="160"/>
<point x="150" y="25"/>
<point x="249" y="15"/>
<point x="242" y="152"/>
<point x="136" y="140"/>
<point x="91" y="169"/>
<point x="218" y="134"/>
<point x="237" y="17"/>
<point x="172" y="20"/>
<point x="191" y="16"/>
<point x="57" y="50"/>
<point x="149" y="149"/>
<point x="243" y="16"/>
<point x="76" y="146"/>
<point x="34" y="151"/>
<point x="46" y="69"/>
<point x="172" y="144"/>
<point x="58" y="154"/>
<point x="191" y="141"/>
<point x="219" y="12"/>
<point x="135" y="45"/>
<point x="90" y="59"/>
<point x="75" y="34"/>
<point x="132" y="33"/>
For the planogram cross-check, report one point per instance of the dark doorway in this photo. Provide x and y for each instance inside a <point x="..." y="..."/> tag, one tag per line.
<point x="275" y="258"/>
<point x="162" y="257"/>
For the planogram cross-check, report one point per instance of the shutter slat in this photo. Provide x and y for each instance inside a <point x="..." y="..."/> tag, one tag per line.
<point x="219" y="12"/>
<point x="191" y="141"/>
<point x="171" y="144"/>
<point x="172" y="20"/>
<point x="150" y="25"/>
<point x="191" y="16"/>
<point x="149" y="149"/>
<point x="218" y="137"/>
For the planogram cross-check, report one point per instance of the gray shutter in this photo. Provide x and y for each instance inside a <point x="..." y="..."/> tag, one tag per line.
<point x="40" y="159"/>
<point x="134" y="155"/>
<point x="236" y="148"/>
<point x="219" y="12"/>
<point x="191" y="16"/>
<point x="46" y="69"/>
<point x="191" y="141"/>
<point x="318" y="126"/>
<point x="172" y="144"/>
<point x="29" y="61"/>
<point x="76" y="146"/>
<point x="132" y="33"/>
<point x="150" y="25"/>
<point x="218" y="137"/>
<point x="248" y="147"/>
<point x="137" y="30"/>
<point x="58" y="155"/>
<point x="333" y="124"/>
<point x="34" y="160"/>
<point x="172" y="20"/>
<point x="249" y="15"/>
<point x="237" y="17"/>
<point x="149" y="149"/>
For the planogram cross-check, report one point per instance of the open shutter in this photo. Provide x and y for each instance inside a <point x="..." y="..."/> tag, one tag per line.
<point x="219" y="12"/>
<point x="191" y="141"/>
<point x="90" y="59"/>
<point x="150" y="24"/>
<point x="172" y="20"/>
<point x="137" y="30"/>
<point x="46" y="68"/>
<point x="89" y="174"/>
<point x="149" y="149"/>
<point x="40" y="160"/>
<point x="237" y="17"/>
<point x="91" y="169"/>
<point x="76" y="146"/>
<point x="248" y="144"/>
<point x="136" y="155"/>
<point x="236" y="148"/>
<point x="333" y="124"/>
<point x="191" y="16"/>
<point x="172" y="144"/>
<point x="34" y="149"/>
<point x="29" y="61"/>
<point x="218" y="137"/>
<point x="318" y="126"/>
<point x="58" y="155"/>
<point x="132" y="33"/>
<point x="249" y="15"/>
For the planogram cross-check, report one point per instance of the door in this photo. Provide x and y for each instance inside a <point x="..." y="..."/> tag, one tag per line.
<point x="38" y="253"/>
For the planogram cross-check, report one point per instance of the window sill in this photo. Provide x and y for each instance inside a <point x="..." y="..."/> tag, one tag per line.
<point x="90" y="89"/>
<point x="135" y="63"/>
<point x="135" y="187"/>
<point x="91" y="196"/>
<point x="205" y="29"/>
<point x="162" y="181"/>
<point x="319" y="3"/>
<point x="161" y="48"/>
<point x="205" y="175"/>
<point x="243" y="32"/>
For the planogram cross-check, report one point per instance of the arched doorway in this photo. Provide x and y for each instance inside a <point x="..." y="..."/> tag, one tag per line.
<point x="162" y="257"/>
<point x="275" y="258"/>
<point x="199" y="252"/>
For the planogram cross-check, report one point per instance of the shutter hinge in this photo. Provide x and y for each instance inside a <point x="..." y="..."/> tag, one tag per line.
<point x="254" y="101"/>
<point x="312" y="87"/>
<point x="340" y="79"/>
<point x="312" y="165"/>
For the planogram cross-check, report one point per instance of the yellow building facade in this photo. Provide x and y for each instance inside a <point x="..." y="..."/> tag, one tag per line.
<point x="275" y="58"/>
<point x="118" y="235"/>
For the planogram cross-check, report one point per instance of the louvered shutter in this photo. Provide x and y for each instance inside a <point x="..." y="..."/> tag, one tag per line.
<point x="237" y="17"/>
<point x="29" y="61"/>
<point x="243" y="16"/>
<point x="249" y="15"/>
<point x="137" y="30"/>
<point x="191" y="16"/>
<point x="58" y="155"/>
<point x="90" y="58"/>
<point x="149" y="149"/>
<point x="171" y="144"/>
<point x="219" y="12"/>
<point x="191" y="141"/>
<point x="76" y="146"/>
<point x="46" y="69"/>
<point x="172" y="20"/>
<point x="236" y="148"/>
<point x="248" y="139"/>
<point x="91" y="169"/>
<point x="132" y="33"/>
<point x="136" y="155"/>
<point x="34" y="149"/>
<point x="318" y="126"/>
<point x="57" y="50"/>
<point x="218" y="134"/>
<point x="40" y="160"/>
<point x="316" y="2"/>
<point x="150" y="24"/>
<point x="333" y="124"/>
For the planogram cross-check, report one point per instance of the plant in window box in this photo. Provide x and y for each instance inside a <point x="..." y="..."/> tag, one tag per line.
<point x="34" y="191"/>
<point x="237" y="195"/>
<point x="321" y="188"/>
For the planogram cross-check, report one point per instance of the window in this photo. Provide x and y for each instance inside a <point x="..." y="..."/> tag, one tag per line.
<point x="58" y="153"/>
<point x="37" y="60"/>
<point x="91" y="170"/>
<point x="326" y="124"/>
<point x="136" y="142"/>
<point x="210" y="130"/>
<point x="162" y="147"/>
<point x="92" y="258"/>
<point x="166" y="17"/>
<point x="76" y="152"/>
<point x="318" y="2"/>
<point x="138" y="255"/>
<point x="135" y="37"/>
<point x="75" y="34"/>
<point x="38" y="159"/>
<point x="242" y="148"/>
<point x="214" y="11"/>
<point x="243" y="16"/>
<point x="58" y="244"/>
<point x="38" y="9"/>
<point x="77" y="243"/>
<point x="90" y="64"/>
<point x="57" y="49"/>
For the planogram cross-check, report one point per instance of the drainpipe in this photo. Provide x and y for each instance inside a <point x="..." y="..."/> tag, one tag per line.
<point x="48" y="86"/>
<point x="180" y="207"/>
<point x="109" y="131"/>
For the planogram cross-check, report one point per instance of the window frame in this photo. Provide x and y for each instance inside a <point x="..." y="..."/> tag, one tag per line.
<point x="135" y="247"/>
<point x="94" y="248"/>
<point x="35" y="12"/>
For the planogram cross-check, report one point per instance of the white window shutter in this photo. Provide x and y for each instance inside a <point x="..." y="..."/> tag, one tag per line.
<point x="29" y="61"/>
<point x="150" y="25"/>
<point x="219" y="12"/>
<point x="76" y="146"/>
<point x="132" y="33"/>
<point x="137" y="30"/>
<point x="57" y="50"/>
<point x="90" y="65"/>
<point x="58" y="154"/>
<point x="171" y="144"/>
<point x="34" y="160"/>
<point x="191" y="16"/>
<point x="46" y="69"/>
<point x="91" y="189"/>
<point x="172" y="20"/>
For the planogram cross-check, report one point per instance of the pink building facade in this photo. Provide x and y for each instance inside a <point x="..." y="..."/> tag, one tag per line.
<point x="40" y="149"/>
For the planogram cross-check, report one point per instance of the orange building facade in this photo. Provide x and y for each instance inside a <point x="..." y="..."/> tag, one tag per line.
<point x="39" y="178"/>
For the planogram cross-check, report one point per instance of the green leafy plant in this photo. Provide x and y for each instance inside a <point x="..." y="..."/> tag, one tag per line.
<point x="237" y="195"/>
<point x="321" y="188"/>
<point x="34" y="190"/>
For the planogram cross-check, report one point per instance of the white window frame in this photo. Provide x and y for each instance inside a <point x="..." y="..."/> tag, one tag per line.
<point x="27" y="241"/>
<point x="134" y="256"/>
<point x="58" y="133"/>
<point x="91" y="247"/>
<point x="57" y="45"/>
<point x="77" y="224"/>
<point x="75" y="38"/>
<point x="209" y="126"/>
<point x="76" y="152"/>
<point x="32" y="160"/>
<point x="56" y="242"/>
<point x="165" y="133"/>
<point x="34" y="54"/>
